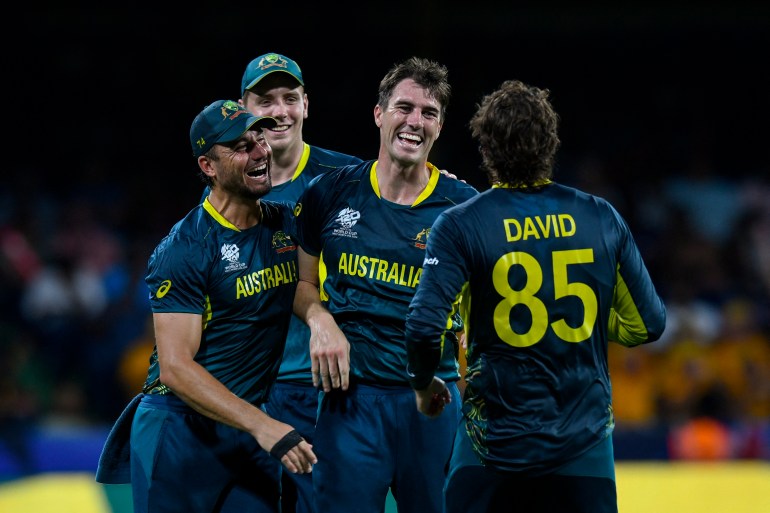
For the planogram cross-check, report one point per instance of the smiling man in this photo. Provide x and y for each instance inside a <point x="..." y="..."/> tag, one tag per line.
<point x="221" y="289"/>
<point x="362" y="231"/>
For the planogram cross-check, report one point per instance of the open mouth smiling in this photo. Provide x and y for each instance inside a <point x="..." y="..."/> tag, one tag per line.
<point x="258" y="171"/>
<point x="412" y="139"/>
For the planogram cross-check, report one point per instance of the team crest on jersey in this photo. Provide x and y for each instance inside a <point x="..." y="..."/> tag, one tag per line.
<point x="283" y="243"/>
<point x="422" y="238"/>
<point x="231" y="253"/>
<point x="346" y="219"/>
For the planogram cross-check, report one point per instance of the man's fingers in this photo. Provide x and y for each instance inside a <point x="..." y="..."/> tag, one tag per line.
<point x="321" y="376"/>
<point x="343" y="370"/>
<point x="334" y="372"/>
<point x="316" y="377"/>
<point x="299" y="460"/>
<point x="315" y="367"/>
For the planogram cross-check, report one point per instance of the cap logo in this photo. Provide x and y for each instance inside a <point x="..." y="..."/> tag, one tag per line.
<point x="272" y="60"/>
<point x="231" y="109"/>
<point x="210" y="126"/>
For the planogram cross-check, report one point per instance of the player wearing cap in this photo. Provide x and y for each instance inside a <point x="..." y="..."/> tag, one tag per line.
<point x="551" y="274"/>
<point x="273" y="85"/>
<point x="221" y="290"/>
<point x="362" y="231"/>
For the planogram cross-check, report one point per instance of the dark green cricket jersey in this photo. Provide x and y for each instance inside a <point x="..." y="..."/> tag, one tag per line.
<point x="551" y="275"/>
<point x="371" y="253"/>
<point x="241" y="281"/>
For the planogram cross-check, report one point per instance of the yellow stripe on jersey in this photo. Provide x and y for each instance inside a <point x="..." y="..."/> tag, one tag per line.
<point x="625" y="324"/>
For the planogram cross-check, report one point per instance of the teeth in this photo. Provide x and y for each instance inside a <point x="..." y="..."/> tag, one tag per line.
<point x="281" y="128"/>
<point x="410" y="137"/>
<point x="261" y="170"/>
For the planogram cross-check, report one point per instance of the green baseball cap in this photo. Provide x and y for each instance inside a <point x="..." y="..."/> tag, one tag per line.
<point x="221" y="122"/>
<point x="268" y="63"/>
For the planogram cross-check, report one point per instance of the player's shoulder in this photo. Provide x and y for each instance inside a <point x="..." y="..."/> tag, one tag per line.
<point x="329" y="158"/>
<point x="275" y="207"/>
<point x="341" y="176"/>
<point x="589" y="200"/>
<point x="276" y="213"/>
<point x="194" y="225"/>
<point x="456" y="189"/>
<point x="190" y="234"/>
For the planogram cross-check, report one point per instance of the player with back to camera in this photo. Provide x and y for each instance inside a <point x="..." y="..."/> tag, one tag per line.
<point x="549" y="275"/>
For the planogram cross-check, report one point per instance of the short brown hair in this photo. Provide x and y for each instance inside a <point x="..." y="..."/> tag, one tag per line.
<point x="429" y="74"/>
<point x="517" y="132"/>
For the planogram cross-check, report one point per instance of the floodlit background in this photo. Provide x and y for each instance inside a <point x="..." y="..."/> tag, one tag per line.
<point x="664" y="112"/>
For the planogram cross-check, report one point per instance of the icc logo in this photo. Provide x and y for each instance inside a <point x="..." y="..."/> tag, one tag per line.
<point x="348" y="217"/>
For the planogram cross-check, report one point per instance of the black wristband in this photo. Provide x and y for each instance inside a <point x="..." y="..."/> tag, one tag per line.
<point x="422" y="363"/>
<point x="285" y="444"/>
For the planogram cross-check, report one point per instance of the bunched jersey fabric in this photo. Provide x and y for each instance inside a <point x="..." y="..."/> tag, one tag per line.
<point x="566" y="276"/>
<point x="367" y="281"/>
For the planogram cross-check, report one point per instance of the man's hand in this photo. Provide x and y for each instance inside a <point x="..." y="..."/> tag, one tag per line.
<point x="297" y="458"/>
<point x="284" y="443"/>
<point x="329" y="354"/>
<point x="449" y="175"/>
<point x="432" y="399"/>
<point x="462" y="340"/>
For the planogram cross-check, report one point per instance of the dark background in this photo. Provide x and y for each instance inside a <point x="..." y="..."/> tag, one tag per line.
<point x="106" y="94"/>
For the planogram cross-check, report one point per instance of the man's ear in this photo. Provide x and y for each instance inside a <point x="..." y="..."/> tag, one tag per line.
<point x="206" y="166"/>
<point x="377" y="116"/>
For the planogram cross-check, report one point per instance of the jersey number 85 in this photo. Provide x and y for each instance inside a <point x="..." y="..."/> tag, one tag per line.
<point x="526" y="297"/>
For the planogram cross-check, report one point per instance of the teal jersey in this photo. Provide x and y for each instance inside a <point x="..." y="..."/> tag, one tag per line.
<point x="241" y="282"/>
<point x="295" y="366"/>
<point x="548" y="276"/>
<point x="371" y="253"/>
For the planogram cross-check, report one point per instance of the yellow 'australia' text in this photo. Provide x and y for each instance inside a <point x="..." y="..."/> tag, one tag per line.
<point x="378" y="269"/>
<point x="264" y="279"/>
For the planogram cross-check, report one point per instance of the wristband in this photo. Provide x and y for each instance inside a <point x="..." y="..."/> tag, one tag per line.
<point x="285" y="444"/>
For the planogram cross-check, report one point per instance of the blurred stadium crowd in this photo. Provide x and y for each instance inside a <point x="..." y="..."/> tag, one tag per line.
<point x="75" y="323"/>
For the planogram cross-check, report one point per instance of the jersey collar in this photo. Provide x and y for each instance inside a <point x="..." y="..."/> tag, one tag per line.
<point x="432" y="181"/>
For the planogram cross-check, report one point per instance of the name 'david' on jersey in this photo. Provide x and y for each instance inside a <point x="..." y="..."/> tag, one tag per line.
<point x="562" y="225"/>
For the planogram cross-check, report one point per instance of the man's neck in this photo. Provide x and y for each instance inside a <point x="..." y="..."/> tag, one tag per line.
<point x="401" y="184"/>
<point x="285" y="163"/>
<point x="240" y="213"/>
